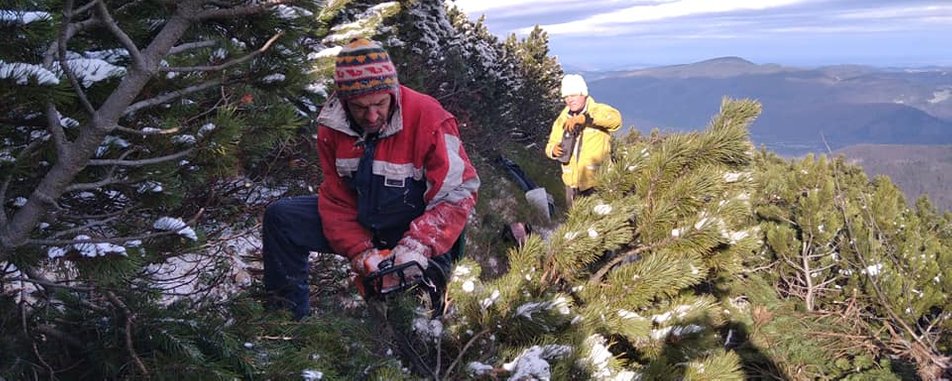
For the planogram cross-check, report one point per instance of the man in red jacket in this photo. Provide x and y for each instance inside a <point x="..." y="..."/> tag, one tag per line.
<point x="397" y="185"/>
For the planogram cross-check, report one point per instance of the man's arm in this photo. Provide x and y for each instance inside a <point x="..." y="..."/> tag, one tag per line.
<point x="605" y="118"/>
<point x="337" y="203"/>
<point x="451" y="193"/>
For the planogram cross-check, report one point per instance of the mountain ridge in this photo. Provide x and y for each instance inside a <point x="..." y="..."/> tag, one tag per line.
<point x="806" y="108"/>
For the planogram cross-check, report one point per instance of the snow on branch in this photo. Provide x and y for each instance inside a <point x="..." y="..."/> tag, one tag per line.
<point x="23" y="17"/>
<point x="87" y="248"/>
<point x="176" y="225"/>
<point x="22" y="73"/>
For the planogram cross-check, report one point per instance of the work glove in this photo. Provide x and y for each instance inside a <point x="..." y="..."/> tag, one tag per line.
<point x="576" y="122"/>
<point x="557" y="151"/>
<point x="368" y="261"/>
<point x="411" y="251"/>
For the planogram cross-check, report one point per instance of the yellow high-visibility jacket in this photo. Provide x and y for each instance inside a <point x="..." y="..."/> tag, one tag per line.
<point x="592" y="146"/>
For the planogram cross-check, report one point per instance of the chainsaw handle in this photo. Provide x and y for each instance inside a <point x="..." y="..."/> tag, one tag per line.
<point x="373" y="282"/>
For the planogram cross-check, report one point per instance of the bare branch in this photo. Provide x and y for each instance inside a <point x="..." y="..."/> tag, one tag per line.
<point x="71" y="30"/>
<point x="107" y="179"/>
<point x="227" y="13"/>
<point x="130" y="318"/>
<point x="94" y="185"/>
<point x="82" y="9"/>
<point x="55" y="127"/>
<point x="192" y="45"/>
<point x="128" y="4"/>
<point x="48" y="283"/>
<point x="230" y="63"/>
<point x="85" y="227"/>
<point x="151" y="132"/>
<point x="61" y="48"/>
<point x="124" y="39"/>
<point x="3" y="196"/>
<point x="143" y="162"/>
<point x="164" y="98"/>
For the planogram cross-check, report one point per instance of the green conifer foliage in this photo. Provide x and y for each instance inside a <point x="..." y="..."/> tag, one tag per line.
<point x="629" y="279"/>
<point x="845" y="245"/>
<point x="132" y="130"/>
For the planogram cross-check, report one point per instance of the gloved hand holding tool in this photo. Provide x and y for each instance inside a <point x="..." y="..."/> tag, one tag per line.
<point x="382" y="272"/>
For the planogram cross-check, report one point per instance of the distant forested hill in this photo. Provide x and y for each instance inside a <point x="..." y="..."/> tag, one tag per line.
<point x="916" y="169"/>
<point x="846" y="105"/>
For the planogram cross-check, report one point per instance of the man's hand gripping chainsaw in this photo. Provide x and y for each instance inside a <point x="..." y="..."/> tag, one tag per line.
<point x="389" y="278"/>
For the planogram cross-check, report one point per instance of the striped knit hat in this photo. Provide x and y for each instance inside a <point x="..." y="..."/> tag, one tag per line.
<point x="362" y="68"/>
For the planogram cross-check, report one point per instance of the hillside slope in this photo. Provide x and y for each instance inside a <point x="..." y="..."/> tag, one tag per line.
<point x="917" y="170"/>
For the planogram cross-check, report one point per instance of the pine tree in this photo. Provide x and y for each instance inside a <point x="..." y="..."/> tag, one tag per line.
<point x="125" y="127"/>
<point x="850" y="247"/>
<point x="538" y="97"/>
<point x="628" y="285"/>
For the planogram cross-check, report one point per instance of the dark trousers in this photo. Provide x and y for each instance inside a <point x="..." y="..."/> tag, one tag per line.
<point x="292" y="229"/>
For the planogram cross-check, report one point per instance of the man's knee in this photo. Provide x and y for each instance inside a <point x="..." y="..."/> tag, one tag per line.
<point x="275" y="212"/>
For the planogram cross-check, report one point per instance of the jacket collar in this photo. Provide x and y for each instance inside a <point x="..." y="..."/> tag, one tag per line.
<point x="334" y="116"/>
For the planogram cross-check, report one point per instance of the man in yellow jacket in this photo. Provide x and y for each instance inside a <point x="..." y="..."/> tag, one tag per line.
<point x="581" y="137"/>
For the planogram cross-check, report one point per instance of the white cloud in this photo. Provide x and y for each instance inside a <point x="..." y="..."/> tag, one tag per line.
<point x="476" y="7"/>
<point x="652" y="32"/>
<point x="609" y="22"/>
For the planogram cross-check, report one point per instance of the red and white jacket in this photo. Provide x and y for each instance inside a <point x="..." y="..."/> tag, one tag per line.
<point x="413" y="183"/>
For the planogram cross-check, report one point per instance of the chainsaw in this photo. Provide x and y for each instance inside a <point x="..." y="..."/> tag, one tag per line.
<point x="372" y="284"/>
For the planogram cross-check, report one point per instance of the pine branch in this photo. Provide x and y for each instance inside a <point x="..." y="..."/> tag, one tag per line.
<point x="192" y="45"/>
<point x="88" y="225"/>
<point x="230" y="63"/>
<point x="118" y="240"/>
<point x="61" y="48"/>
<point x="130" y="318"/>
<point x="226" y="13"/>
<point x="124" y="39"/>
<point x="71" y="29"/>
<point x="151" y="132"/>
<point x="166" y="97"/>
<point x="107" y="180"/>
<point x="626" y="256"/>
<point x="143" y="162"/>
<point x="56" y="130"/>
<point x="449" y="370"/>
<point x="936" y="360"/>
<point x="47" y="283"/>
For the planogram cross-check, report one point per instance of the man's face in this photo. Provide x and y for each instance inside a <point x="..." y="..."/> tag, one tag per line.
<point x="370" y="111"/>
<point x="575" y="102"/>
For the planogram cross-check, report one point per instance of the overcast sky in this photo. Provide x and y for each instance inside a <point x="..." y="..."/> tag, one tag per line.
<point x="613" y="34"/>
